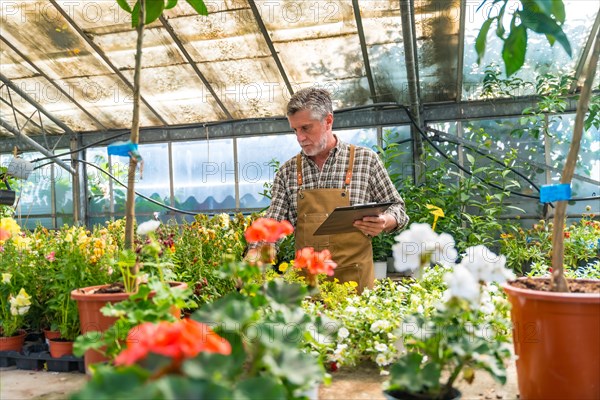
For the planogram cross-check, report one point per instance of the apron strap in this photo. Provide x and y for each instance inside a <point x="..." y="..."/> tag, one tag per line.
<point x="350" y="166"/>
<point x="299" y="169"/>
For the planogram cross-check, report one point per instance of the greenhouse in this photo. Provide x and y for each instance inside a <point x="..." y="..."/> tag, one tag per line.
<point x="300" y="199"/>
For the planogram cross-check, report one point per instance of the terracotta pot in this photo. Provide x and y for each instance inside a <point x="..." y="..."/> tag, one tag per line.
<point x="49" y="335"/>
<point x="557" y="342"/>
<point x="13" y="343"/>
<point x="60" y="347"/>
<point x="91" y="319"/>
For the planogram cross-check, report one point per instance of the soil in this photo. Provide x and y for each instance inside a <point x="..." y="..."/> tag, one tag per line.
<point x="543" y="285"/>
<point x="112" y="288"/>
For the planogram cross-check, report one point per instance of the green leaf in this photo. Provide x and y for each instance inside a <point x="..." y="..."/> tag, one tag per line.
<point x="513" y="52"/>
<point x="124" y="5"/>
<point x="296" y="367"/>
<point x="154" y="9"/>
<point x="199" y="6"/>
<point x="471" y="159"/>
<point x="552" y="7"/>
<point x="542" y="23"/>
<point x="285" y="293"/>
<point x="179" y="387"/>
<point x="482" y="38"/>
<point x="170" y="4"/>
<point x="264" y="387"/>
<point x="135" y="15"/>
<point x="558" y="9"/>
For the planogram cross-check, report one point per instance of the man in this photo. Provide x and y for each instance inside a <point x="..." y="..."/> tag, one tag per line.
<point x="326" y="174"/>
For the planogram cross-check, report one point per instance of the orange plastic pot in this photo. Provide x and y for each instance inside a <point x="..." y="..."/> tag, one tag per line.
<point x="60" y="347"/>
<point x="13" y="343"/>
<point x="557" y="342"/>
<point x="91" y="318"/>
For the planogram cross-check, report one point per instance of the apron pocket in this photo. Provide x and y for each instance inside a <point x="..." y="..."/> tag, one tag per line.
<point x="347" y="273"/>
<point x="310" y="225"/>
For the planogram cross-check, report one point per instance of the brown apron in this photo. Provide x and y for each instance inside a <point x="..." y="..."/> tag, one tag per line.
<point x="351" y="251"/>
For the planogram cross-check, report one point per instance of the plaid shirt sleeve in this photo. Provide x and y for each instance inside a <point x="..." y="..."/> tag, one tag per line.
<point x="382" y="189"/>
<point x="282" y="205"/>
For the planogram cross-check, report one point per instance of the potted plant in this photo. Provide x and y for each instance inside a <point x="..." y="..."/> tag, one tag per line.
<point x="152" y="264"/>
<point x="14" y="304"/>
<point x="382" y="251"/>
<point x="453" y="339"/>
<point x="14" y="300"/>
<point x="253" y="348"/>
<point x="556" y="324"/>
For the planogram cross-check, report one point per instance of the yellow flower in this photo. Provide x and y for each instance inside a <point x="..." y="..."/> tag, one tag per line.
<point x="6" y="278"/>
<point x="20" y="305"/>
<point x="22" y="243"/>
<point x="283" y="266"/>
<point x="8" y="228"/>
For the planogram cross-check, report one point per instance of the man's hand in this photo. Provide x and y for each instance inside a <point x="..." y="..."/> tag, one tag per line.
<point x="373" y="226"/>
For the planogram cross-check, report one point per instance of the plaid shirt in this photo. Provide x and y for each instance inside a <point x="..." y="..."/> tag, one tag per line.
<point x="370" y="183"/>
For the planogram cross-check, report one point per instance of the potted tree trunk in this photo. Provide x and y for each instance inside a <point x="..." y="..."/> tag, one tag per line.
<point x="142" y="13"/>
<point x="556" y="322"/>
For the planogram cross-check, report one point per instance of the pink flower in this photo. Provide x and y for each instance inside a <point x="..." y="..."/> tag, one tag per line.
<point x="267" y="230"/>
<point x="50" y="256"/>
<point x="314" y="261"/>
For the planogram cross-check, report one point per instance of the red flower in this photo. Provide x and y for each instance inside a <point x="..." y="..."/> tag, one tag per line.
<point x="314" y="261"/>
<point x="178" y="340"/>
<point x="267" y="230"/>
<point x="567" y="234"/>
<point x="333" y="366"/>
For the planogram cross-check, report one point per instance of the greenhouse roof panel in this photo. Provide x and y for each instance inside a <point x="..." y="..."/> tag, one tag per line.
<point x="246" y="57"/>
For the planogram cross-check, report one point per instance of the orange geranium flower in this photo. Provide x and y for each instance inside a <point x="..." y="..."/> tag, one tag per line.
<point x="267" y="230"/>
<point x="316" y="262"/>
<point x="177" y="340"/>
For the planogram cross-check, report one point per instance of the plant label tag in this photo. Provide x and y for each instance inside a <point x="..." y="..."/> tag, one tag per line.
<point x="551" y="193"/>
<point x="124" y="149"/>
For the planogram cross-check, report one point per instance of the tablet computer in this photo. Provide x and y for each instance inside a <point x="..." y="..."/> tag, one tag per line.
<point x="341" y="219"/>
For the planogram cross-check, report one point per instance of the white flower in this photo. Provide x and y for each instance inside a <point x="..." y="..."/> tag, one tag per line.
<point x="419" y="245"/>
<point x="343" y="333"/>
<point x="350" y="310"/>
<point x="381" y="347"/>
<point x="381" y="360"/>
<point x="461" y="283"/>
<point x="379" y="326"/>
<point x="147" y="227"/>
<point x="485" y="265"/>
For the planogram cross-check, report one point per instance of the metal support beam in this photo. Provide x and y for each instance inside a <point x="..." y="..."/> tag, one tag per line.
<point x="21" y="113"/>
<point x="409" y="39"/>
<point x="53" y="82"/>
<point x="33" y="144"/>
<point x="104" y="57"/>
<point x="79" y="184"/>
<point x="353" y="118"/>
<point x="363" y="48"/>
<point x="192" y="64"/>
<point x="267" y="37"/>
<point x="37" y="105"/>
<point x="461" y="50"/>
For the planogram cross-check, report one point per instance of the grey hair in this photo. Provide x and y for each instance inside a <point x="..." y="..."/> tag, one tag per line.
<point x="318" y="101"/>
